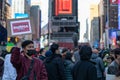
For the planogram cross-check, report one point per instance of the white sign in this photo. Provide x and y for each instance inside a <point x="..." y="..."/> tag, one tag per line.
<point x="110" y="77"/>
<point x="20" y="27"/>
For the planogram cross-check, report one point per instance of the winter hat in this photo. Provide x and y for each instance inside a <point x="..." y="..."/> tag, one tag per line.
<point x="48" y="53"/>
<point x="85" y="52"/>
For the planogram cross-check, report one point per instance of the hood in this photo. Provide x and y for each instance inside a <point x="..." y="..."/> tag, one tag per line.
<point x="85" y="52"/>
<point x="50" y="58"/>
<point x="94" y="56"/>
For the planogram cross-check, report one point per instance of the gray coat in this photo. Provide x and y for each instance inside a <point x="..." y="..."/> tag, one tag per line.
<point x="99" y="64"/>
<point x="76" y="56"/>
<point x="113" y="68"/>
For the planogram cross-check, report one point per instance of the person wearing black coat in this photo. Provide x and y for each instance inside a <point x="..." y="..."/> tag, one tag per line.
<point x="54" y="64"/>
<point x="84" y="69"/>
<point x="68" y="64"/>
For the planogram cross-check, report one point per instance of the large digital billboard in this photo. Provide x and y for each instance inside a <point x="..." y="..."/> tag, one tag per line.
<point x="63" y="7"/>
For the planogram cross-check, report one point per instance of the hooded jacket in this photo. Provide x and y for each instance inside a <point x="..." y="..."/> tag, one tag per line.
<point x="55" y="67"/>
<point x="84" y="69"/>
<point x="99" y="64"/>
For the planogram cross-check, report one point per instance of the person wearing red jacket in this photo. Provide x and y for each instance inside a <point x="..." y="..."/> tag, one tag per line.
<point x="22" y="63"/>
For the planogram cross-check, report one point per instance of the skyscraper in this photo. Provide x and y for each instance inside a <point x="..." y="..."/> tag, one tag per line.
<point x="20" y="6"/>
<point x="43" y="4"/>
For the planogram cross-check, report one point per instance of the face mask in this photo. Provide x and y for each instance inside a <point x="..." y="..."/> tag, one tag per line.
<point x="31" y="52"/>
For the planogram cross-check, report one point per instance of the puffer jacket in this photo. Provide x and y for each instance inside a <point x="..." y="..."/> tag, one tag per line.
<point x="55" y="67"/>
<point x="68" y="69"/>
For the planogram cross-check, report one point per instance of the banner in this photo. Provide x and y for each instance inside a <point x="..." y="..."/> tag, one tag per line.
<point x="20" y="27"/>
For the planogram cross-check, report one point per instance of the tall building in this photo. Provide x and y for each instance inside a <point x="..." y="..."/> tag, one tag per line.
<point x="94" y="26"/>
<point x="43" y="4"/>
<point x="36" y="2"/>
<point x="35" y="15"/>
<point x="5" y="9"/>
<point x="102" y="19"/>
<point x="20" y="6"/>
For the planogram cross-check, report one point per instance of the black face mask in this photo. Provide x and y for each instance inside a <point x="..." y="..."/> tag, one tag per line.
<point x="31" y="52"/>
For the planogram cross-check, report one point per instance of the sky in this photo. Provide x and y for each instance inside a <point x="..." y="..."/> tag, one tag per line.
<point x="83" y="11"/>
<point x="83" y="14"/>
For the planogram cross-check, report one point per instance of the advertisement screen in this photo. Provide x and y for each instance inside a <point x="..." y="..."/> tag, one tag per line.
<point x="63" y="7"/>
<point x="21" y="15"/>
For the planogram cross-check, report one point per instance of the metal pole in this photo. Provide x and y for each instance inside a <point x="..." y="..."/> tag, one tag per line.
<point x="107" y="28"/>
<point x="49" y="19"/>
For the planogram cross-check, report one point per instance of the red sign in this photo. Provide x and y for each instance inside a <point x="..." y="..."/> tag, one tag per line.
<point x="63" y="7"/>
<point x="113" y="1"/>
<point x="20" y="27"/>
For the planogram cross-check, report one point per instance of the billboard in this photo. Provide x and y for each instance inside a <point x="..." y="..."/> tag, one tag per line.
<point x="20" y="27"/>
<point x="63" y="7"/>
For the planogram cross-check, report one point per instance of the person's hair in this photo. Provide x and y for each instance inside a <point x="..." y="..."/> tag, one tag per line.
<point x="68" y="56"/>
<point x="85" y="52"/>
<point x="26" y="42"/>
<point x="64" y="50"/>
<point x="110" y="57"/>
<point x="54" y="47"/>
<point x="116" y="52"/>
<point x="41" y="50"/>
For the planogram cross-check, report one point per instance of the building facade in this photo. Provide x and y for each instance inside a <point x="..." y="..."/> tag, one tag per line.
<point x="5" y="12"/>
<point x="94" y="26"/>
<point x="35" y="14"/>
<point x="20" y="6"/>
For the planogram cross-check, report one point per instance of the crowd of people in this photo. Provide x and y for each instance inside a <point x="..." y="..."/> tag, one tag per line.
<point x="82" y="63"/>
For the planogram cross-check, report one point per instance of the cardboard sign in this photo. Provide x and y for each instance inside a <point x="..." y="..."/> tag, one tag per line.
<point x="20" y="27"/>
